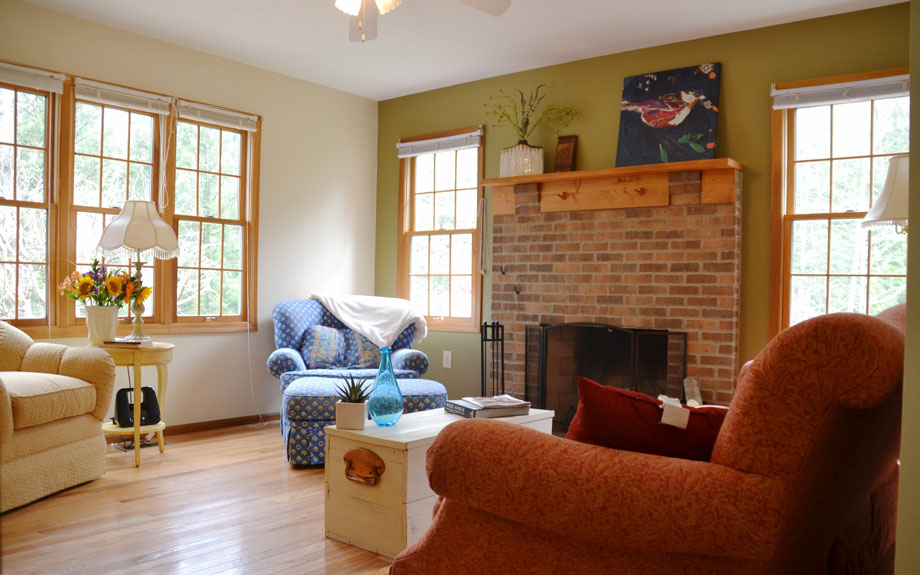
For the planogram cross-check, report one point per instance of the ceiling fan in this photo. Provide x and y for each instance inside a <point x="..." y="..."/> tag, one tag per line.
<point x="362" y="25"/>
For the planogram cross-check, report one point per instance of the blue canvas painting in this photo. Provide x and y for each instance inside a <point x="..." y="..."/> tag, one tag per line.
<point x="669" y="116"/>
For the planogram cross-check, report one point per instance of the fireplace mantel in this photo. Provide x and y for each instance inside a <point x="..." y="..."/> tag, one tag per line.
<point x="610" y="188"/>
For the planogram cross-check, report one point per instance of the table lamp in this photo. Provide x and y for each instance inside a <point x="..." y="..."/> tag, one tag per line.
<point x="891" y="207"/>
<point x="139" y="231"/>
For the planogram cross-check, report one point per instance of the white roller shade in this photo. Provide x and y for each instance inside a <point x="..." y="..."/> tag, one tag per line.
<point x="863" y="90"/>
<point x="123" y="97"/>
<point x="447" y="143"/>
<point x="218" y="116"/>
<point x="31" y="78"/>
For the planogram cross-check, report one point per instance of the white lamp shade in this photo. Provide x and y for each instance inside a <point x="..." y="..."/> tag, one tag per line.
<point x="891" y="207"/>
<point x="384" y="6"/>
<point x="139" y="228"/>
<point x="350" y="7"/>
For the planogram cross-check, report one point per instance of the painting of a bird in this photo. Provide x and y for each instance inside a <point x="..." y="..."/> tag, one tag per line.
<point x="665" y="111"/>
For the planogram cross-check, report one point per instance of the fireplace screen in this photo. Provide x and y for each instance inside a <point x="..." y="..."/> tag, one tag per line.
<point x="648" y="361"/>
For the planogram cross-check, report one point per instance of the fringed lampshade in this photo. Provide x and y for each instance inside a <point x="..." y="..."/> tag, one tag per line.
<point x="139" y="230"/>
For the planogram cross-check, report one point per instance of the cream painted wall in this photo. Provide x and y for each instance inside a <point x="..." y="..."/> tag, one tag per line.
<point x="318" y="189"/>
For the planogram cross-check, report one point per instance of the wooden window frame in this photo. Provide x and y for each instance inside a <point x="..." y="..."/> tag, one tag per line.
<point x="782" y="131"/>
<point x="61" y="320"/>
<point x="406" y="233"/>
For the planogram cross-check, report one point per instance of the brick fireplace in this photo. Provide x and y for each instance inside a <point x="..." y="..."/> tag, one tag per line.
<point x="672" y="262"/>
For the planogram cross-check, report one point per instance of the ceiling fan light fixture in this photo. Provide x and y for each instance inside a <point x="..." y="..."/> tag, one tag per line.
<point x="384" y="6"/>
<point x="350" y="7"/>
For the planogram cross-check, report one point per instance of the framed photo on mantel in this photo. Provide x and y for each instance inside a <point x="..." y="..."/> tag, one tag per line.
<point x="565" y="154"/>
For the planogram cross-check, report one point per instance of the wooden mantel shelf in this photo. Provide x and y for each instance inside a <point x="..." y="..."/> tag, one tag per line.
<point x="610" y="188"/>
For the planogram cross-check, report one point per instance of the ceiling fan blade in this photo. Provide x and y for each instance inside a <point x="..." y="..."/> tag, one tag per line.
<point x="493" y="7"/>
<point x="363" y="26"/>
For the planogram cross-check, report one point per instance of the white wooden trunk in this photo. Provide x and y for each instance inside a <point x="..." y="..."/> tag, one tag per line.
<point x="388" y="517"/>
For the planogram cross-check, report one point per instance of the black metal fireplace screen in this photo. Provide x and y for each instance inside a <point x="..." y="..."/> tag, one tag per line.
<point x="649" y="361"/>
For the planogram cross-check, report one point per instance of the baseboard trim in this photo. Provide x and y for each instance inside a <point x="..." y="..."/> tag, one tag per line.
<point x="206" y="425"/>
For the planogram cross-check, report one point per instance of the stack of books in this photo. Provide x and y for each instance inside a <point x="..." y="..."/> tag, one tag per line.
<point x="119" y="343"/>
<point x="498" y="406"/>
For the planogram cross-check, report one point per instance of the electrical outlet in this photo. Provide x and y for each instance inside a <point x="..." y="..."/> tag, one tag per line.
<point x="447" y="359"/>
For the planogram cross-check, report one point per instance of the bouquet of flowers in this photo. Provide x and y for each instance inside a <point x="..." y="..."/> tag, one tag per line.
<point x="100" y="286"/>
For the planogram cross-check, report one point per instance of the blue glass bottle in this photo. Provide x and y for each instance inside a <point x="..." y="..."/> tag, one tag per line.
<point x="385" y="403"/>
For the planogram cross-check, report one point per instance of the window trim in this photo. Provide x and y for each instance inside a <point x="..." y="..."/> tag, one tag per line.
<point x="781" y="149"/>
<point x="61" y="321"/>
<point x="405" y="234"/>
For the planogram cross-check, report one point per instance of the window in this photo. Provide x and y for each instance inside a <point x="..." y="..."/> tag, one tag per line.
<point x="439" y="231"/>
<point x="198" y="162"/>
<point x="834" y="163"/>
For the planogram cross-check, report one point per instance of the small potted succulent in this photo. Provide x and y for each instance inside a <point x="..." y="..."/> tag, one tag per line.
<point x="351" y="409"/>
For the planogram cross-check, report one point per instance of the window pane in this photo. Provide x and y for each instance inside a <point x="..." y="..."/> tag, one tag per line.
<point x="89" y="230"/>
<point x="440" y="255"/>
<point x="889" y="251"/>
<point x="418" y="294"/>
<point x="186" y="193"/>
<point x="467" y="209"/>
<point x="33" y="289"/>
<point x="188" y="243"/>
<point x="7" y="233"/>
<point x="812" y="187"/>
<point x="847" y="294"/>
<point x="229" y="197"/>
<point x="115" y="133"/>
<point x="424" y="212"/>
<point x="885" y="292"/>
<point x="6" y="172"/>
<point x="210" y="292"/>
<point x="461" y="260"/>
<point x="208" y="150"/>
<point x="187" y="146"/>
<point x="424" y="173"/>
<point x="187" y="292"/>
<point x="140" y="182"/>
<point x="444" y="171"/>
<point x="440" y="296"/>
<point x="852" y="129"/>
<point x="849" y="247"/>
<point x="813" y="133"/>
<point x="114" y="183"/>
<point x="230" y="153"/>
<point x="467" y="168"/>
<point x="87" y="128"/>
<point x="30" y="120"/>
<point x="86" y="181"/>
<point x="808" y="298"/>
<point x="7" y="291"/>
<point x="418" y="255"/>
<point x="210" y="245"/>
<point x="149" y="279"/>
<point x="444" y="210"/>
<point x="233" y="247"/>
<point x="231" y="294"/>
<point x="891" y="132"/>
<point x="7" y="115"/>
<point x="461" y="296"/>
<point x="851" y="185"/>
<point x="142" y="138"/>
<point x="30" y="175"/>
<point x="809" y="247"/>
<point x="207" y="196"/>
<point x="33" y="235"/>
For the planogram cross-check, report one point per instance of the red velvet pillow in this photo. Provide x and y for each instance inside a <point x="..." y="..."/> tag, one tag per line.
<point x="630" y="421"/>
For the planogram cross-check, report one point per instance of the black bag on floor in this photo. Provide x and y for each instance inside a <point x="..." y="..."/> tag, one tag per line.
<point x="124" y="407"/>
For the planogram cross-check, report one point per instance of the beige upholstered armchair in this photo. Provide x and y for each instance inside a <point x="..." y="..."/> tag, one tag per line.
<point x="52" y="401"/>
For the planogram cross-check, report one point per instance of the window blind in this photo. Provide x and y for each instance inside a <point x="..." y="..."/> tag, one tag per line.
<point x="872" y="89"/>
<point x="112" y="95"/>
<point x="218" y="116"/>
<point x="447" y="143"/>
<point x="32" y="78"/>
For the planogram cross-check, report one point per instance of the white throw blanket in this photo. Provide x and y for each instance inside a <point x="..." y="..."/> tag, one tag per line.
<point x="379" y="319"/>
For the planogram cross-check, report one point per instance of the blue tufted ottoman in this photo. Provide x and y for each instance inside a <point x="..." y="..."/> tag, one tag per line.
<point x="309" y="406"/>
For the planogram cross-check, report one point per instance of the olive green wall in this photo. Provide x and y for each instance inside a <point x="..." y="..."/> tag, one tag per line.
<point x="751" y="61"/>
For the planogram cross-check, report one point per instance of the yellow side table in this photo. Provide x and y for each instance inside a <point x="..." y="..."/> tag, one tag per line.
<point x="159" y="354"/>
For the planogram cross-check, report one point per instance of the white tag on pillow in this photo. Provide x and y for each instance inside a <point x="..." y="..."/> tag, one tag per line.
<point x="673" y="413"/>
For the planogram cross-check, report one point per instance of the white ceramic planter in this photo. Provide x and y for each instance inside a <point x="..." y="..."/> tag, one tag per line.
<point x="521" y="160"/>
<point x="101" y="321"/>
<point x="350" y="415"/>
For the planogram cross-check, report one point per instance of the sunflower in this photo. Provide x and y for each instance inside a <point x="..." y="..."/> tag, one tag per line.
<point x="113" y="285"/>
<point x="143" y="294"/>
<point x="85" y="287"/>
<point x="129" y="290"/>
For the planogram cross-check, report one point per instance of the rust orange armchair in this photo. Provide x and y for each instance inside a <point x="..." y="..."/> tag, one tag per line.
<point x="803" y="478"/>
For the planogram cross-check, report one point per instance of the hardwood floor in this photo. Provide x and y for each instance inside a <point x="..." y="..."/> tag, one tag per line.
<point x="220" y="501"/>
